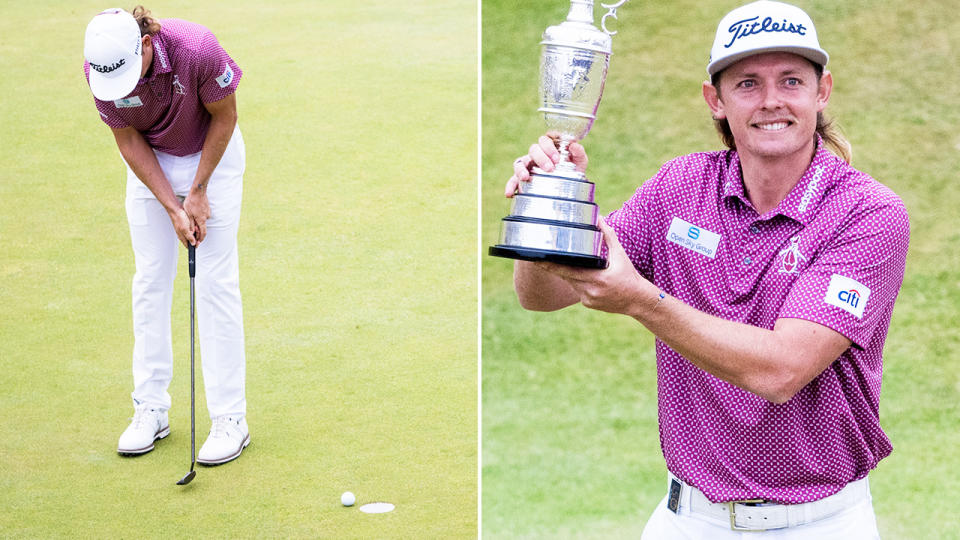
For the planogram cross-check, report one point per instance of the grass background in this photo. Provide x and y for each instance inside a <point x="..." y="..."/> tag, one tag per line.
<point x="358" y="265"/>
<point x="569" y="427"/>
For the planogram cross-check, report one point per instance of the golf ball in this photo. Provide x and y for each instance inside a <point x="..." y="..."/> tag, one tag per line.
<point x="347" y="498"/>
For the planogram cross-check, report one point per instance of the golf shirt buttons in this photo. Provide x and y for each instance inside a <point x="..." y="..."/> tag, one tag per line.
<point x="754" y="229"/>
<point x="747" y="261"/>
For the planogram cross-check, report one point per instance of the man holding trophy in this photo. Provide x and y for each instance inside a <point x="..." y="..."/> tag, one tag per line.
<point x="768" y="273"/>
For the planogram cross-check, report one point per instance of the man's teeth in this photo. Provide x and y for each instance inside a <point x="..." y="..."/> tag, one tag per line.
<point x="772" y="127"/>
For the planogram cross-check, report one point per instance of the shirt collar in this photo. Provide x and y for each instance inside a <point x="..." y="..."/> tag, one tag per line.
<point x="161" y="62"/>
<point x="800" y="204"/>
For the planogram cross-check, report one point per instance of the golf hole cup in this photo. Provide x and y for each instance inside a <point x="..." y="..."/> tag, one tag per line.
<point x="553" y="216"/>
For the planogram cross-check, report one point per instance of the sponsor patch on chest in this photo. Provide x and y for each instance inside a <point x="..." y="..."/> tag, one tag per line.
<point x="128" y="102"/>
<point x="692" y="237"/>
<point x="847" y="294"/>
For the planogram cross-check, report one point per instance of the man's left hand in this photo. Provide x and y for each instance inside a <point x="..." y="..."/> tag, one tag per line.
<point x="617" y="289"/>
<point x="197" y="208"/>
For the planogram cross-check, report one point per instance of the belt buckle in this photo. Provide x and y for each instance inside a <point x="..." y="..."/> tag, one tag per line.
<point x="733" y="514"/>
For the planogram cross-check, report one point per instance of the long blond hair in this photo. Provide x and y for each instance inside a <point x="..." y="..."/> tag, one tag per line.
<point x="148" y="25"/>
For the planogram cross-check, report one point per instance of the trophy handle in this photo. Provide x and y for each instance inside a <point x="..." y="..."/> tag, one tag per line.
<point x="611" y="13"/>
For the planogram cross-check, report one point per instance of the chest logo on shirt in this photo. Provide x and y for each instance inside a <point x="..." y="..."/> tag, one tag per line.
<point x="790" y="257"/>
<point x="847" y="294"/>
<point x="128" y="102"/>
<point x="177" y="87"/>
<point x="224" y="80"/>
<point x="692" y="237"/>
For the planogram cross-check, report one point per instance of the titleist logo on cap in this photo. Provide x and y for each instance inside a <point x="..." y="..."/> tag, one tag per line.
<point x="749" y="27"/>
<point x="107" y="69"/>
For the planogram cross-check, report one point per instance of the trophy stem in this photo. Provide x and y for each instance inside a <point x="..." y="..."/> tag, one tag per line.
<point x="565" y="164"/>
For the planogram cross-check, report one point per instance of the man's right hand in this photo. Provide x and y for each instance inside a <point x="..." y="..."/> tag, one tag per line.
<point x="184" y="226"/>
<point x="543" y="154"/>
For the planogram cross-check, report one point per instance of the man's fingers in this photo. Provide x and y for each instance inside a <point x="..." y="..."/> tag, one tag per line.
<point x="540" y="157"/>
<point x="609" y="235"/>
<point x="578" y="156"/>
<point x="570" y="273"/>
<point x="549" y="147"/>
<point x="512" y="184"/>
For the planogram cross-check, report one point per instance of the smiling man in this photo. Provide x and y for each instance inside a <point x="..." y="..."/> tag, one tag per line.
<point x="768" y="273"/>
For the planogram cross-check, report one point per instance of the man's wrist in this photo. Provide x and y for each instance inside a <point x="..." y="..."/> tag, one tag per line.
<point x="648" y="302"/>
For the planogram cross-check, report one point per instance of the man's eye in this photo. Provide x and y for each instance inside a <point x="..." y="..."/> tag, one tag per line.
<point x="747" y="84"/>
<point x="793" y="81"/>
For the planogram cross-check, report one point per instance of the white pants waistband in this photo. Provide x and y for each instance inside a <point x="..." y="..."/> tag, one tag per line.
<point x="742" y="516"/>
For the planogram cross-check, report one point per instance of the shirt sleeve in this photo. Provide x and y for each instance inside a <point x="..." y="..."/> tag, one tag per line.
<point x="852" y="283"/>
<point x="217" y="74"/>
<point x="107" y="110"/>
<point x="632" y="223"/>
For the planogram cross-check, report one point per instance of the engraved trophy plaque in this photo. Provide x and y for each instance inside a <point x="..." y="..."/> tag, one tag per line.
<point x="553" y="216"/>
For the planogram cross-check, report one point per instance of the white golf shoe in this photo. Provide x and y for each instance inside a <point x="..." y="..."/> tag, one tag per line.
<point x="228" y="437"/>
<point x="147" y="425"/>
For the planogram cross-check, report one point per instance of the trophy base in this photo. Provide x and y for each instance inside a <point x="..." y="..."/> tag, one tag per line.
<point x="559" y="257"/>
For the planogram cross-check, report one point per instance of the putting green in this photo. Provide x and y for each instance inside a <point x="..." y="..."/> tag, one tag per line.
<point x="358" y="270"/>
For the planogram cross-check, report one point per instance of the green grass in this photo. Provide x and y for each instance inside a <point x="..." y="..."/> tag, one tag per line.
<point x="358" y="266"/>
<point x="570" y="443"/>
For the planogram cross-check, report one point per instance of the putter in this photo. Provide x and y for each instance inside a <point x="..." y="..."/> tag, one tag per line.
<point x="192" y="265"/>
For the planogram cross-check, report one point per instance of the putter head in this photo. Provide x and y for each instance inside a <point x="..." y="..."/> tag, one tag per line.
<point x="186" y="479"/>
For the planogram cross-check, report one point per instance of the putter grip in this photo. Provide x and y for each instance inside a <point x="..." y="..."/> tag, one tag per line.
<point x="192" y="260"/>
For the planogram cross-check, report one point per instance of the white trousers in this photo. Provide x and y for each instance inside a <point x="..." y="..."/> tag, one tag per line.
<point x="858" y="522"/>
<point x="219" y="309"/>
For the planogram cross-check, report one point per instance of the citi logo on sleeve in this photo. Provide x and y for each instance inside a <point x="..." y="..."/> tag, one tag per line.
<point x="847" y="294"/>
<point x="224" y="80"/>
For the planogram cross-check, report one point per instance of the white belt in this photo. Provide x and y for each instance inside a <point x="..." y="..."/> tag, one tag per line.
<point x="745" y="516"/>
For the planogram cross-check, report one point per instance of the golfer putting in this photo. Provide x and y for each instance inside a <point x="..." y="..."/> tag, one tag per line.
<point x="768" y="273"/>
<point x="166" y="88"/>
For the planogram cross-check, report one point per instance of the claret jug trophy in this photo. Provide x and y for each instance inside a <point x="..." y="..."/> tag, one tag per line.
<point x="553" y="216"/>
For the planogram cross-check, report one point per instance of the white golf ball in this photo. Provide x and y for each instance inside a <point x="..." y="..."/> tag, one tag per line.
<point x="347" y="498"/>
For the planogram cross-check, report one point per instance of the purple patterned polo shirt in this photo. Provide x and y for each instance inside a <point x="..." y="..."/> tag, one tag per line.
<point x="832" y="252"/>
<point x="189" y="68"/>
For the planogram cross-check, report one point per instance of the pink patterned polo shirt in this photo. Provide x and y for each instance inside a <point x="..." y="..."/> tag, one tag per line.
<point x="832" y="252"/>
<point x="189" y="68"/>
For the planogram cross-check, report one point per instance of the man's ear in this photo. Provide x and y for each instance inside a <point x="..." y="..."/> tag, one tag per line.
<point x="824" y="90"/>
<point x="712" y="97"/>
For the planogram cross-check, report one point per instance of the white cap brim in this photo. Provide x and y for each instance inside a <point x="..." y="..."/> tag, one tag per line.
<point x="817" y="56"/>
<point x="116" y="87"/>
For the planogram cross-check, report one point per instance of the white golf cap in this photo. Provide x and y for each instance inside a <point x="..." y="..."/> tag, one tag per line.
<point x="112" y="48"/>
<point x="764" y="26"/>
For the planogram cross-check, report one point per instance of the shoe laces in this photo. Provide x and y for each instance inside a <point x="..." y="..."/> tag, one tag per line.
<point x="220" y="426"/>
<point x="141" y="414"/>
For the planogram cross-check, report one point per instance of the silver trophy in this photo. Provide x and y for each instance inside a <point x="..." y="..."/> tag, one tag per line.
<point x="553" y="216"/>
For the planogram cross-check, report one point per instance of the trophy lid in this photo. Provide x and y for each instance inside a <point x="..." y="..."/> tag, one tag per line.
<point x="578" y="30"/>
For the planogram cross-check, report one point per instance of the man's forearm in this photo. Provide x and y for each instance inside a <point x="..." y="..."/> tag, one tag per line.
<point x="774" y="364"/>
<point x="215" y="144"/>
<point x="538" y="290"/>
<point x="141" y="159"/>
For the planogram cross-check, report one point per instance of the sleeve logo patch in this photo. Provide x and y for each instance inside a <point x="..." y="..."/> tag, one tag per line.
<point x="847" y="294"/>
<point x="224" y="80"/>
<point x="693" y="237"/>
